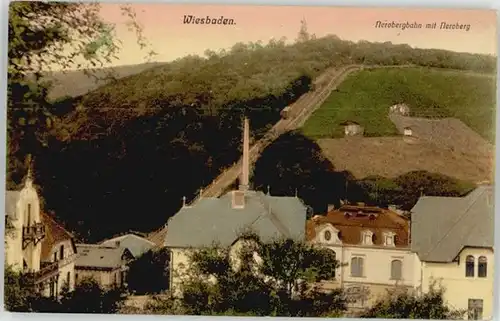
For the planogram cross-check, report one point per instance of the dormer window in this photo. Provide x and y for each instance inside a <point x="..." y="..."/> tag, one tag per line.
<point x="389" y="239"/>
<point x="367" y="237"/>
<point x="329" y="234"/>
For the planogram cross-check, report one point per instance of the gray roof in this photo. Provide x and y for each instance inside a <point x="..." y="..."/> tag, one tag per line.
<point x="11" y="199"/>
<point x="135" y="244"/>
<point x="442" y="226"/>
<point x="213" y="220"/>
<point x="98" y="256"/>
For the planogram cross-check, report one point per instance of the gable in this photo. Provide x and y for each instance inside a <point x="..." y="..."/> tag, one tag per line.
<point x="127" y="255"/>
<point x="55" y="235"/>
<point x="135" y="244"/>
<point x="327" y="233"/>
<point x="443" y="226"/>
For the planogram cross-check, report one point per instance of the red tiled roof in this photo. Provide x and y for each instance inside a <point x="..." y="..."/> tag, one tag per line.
<point x="54" y="233"/>
<point x="351" y="221"/>
<point x="158" y="237"/>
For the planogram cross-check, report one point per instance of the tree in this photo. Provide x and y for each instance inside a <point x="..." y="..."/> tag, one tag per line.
<point x="295" y="164"/>
<point x="19" y="297"/>
<point x="303" y="35"/>
<point x="278" y="278"/>
<point x="15" y="297"/>
<point x="405" y="305"/>
<point x="44" y="35"/>
<point x="419" y="183"/>
<point x="89" y="297"/>
<point x="149" y="273"/>
<point x="406" y="189"/>
<point x="379" y="190"/>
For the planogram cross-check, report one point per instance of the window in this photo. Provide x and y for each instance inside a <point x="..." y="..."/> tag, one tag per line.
<point x="68" y="279"/>
<point x="335" y="257"/>
<point x="29" y="215"/>
<point x="389" y="239"/>
<point x="469" y="266"/>
<point x="357" y="267"/>
<point x="61" y="252"/>
<point x="367" y="238"/>
<point x="55" y="256"/>
<point x="475" y="309"/>
<point x="51" y="286"/>
<point x="56" y="286"/>
<point x="482" y="267"/>
<point x="396" y="269"/>
<point x="327" y="235"/>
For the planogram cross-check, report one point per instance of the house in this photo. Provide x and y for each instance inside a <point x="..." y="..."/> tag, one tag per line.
<point x="407" y="131"/>
<point x="36" y="245"/>
<point x="352" y="128"/>
<point x="25" y="230"/>
<point x="136" y="244"/>
<point x="453" y="240"/>
<point x="221" y="221"/>
<point x="372" y="246"/>
<point x="107" y="265"/>
<point x="58" y="253"/>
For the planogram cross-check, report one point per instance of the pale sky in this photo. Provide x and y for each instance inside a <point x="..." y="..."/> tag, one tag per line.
<point x="170" y="38"/>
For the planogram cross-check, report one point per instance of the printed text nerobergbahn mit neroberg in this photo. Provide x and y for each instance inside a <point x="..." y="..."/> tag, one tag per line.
<point x="415" y="25"/>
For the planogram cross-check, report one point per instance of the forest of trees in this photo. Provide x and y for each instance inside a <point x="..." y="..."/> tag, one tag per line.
<point x="123" y="156"/>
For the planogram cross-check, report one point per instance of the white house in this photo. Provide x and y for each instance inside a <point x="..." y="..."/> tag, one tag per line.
<point x="23" y="241"/>
<point x="372" y="246"/>
<point x="107" y="265"/>
<point x="453" y="239"/>
<point x="36" y="245"/>
<point x="222" y="221"/>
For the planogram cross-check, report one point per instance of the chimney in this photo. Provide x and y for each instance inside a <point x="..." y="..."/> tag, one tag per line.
<point x="245" y="168"/>
<point x="238" y="199"/>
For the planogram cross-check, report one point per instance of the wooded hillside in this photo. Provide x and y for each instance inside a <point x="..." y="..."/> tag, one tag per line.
<point x="123" y="156"/>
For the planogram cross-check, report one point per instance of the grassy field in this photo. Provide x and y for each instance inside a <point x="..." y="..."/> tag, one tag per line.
<point x="366" y="96"/>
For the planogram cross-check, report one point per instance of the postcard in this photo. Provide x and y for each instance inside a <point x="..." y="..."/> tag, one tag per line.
<point x="298" y="161"/>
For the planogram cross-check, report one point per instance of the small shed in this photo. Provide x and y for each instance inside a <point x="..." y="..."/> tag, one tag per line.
<point x="352" y="128"/>
<point x="407" y="131"/>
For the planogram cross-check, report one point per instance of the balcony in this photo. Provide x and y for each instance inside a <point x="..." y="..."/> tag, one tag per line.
<point x="33" y="233"/>
<point x="47" y="270"/>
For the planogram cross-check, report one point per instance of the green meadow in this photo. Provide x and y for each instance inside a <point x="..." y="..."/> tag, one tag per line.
<point x="365" y="97"/>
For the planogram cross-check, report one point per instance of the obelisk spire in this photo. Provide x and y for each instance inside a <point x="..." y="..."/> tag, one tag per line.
<point x="245" y="168"/>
